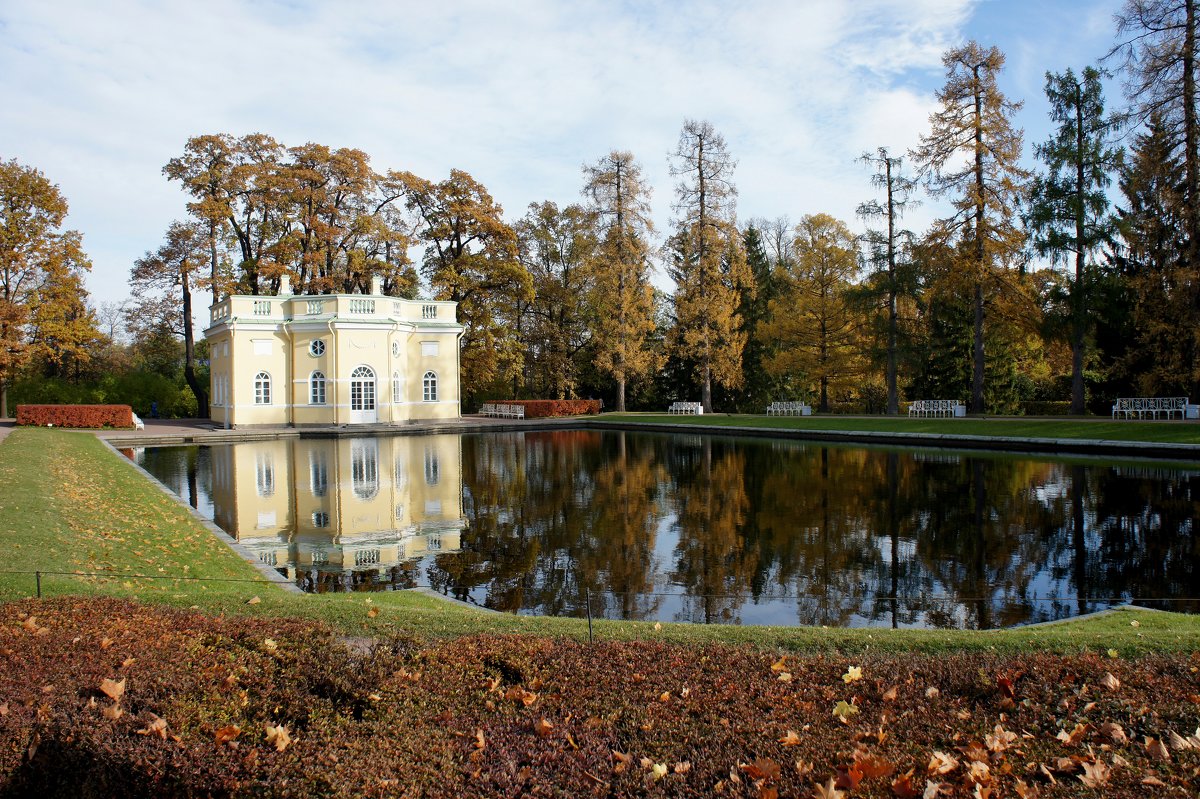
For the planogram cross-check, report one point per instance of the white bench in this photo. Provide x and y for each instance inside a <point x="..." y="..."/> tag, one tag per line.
<point x="687" y="408"/>
<point x="138" y="424"/>
<point x="1151" y="407"/>
<point x="789" y="409"/>
<point x="926" y="408"/>
<point x="503" y="410"/>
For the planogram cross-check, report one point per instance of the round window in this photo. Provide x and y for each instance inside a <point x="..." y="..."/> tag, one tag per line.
<point x="317" y="348"/>
<point x="396" y="349"/>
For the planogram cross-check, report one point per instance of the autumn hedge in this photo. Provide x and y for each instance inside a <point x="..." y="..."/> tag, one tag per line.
<point x="541" y="409"/>
<point x="75" y="415"/>
<point x="104" y="697"/>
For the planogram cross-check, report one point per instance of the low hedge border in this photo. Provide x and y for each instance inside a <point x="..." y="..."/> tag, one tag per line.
<point x="83" y="416"/>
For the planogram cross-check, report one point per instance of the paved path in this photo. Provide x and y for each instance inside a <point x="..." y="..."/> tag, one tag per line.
<point x="6" y="425"/>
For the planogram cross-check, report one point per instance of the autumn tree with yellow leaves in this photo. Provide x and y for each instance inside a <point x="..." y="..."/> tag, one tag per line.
<point x="818" y="331"/>
<point x="471" y="258"/>
<point x="622" y="297"/>
<point x="708" y="260"/>
<point x="42" y="309"/>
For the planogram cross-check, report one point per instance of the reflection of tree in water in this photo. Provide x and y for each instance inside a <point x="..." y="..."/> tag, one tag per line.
<point x="846" y="535"/>
<point x="713" y="562"/>
<point x="620" y="530"/>
<point x="498" y="549"/>
<point x="1143" y="541"/>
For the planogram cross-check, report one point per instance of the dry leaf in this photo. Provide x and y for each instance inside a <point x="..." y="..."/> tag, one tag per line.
<point x="664" y="697"/>
<point x="1157" y="750"/>
<point x="657" y="626"/>
<point x="127" y="662"/>
<point x="890" y="694"/>
<point x="372" y="613"/>
<point x="658" y="770"/>
<point x="156" y="726"/>
<point x="790" y="739"/>
<point x="1095" y="775"/>
<point x="853" y="674"/>
<point x="1114" y="733"/>
<point x="542" y="728"/>
<point x="113" y="689"/>
<point x="30" y="624"/>
<point x="622" y="761"/>
<point x="843" y="710"/>
<point x="254" y="600"/>
<point x="1178" y="742"/>
<point x="270" y="645"/>
<point x="785" y="676"/>
<point x="780" y="665"/>
<point x="1110" y="682"/>
<point x="112" y="712"/>
<point x="228" y="733"/>
<point x="683" y="767"/>
<point x="932" y="789"/>
<point x="999" y="739"/>
<point x="1024" y="790"/>
<point x="278" y="737"/>
<point x="874" y="767"/>
<point x="828" y="791"/>
<point x="848" y="777"/>
<point x="941" y="763"/>
<point x="903" y="786"/>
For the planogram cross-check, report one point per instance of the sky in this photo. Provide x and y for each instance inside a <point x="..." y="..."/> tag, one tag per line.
<point x="99" y="96"/>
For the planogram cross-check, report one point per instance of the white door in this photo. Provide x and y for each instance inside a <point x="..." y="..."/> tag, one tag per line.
<point x="362" y="396"/>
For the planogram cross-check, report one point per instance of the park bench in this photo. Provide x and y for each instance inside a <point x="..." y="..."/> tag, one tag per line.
<point x="789" y="409"/>
<point x="689" y="408"/>
<point x="138" y="424"/>
<point x="927" y="408"/>
<point x="503" y="410"/>
<point x="1151" y="407"/>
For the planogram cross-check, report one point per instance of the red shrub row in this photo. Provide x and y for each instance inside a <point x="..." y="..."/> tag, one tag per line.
<point x="75" y="415"/>
<point x="540" y="409"/>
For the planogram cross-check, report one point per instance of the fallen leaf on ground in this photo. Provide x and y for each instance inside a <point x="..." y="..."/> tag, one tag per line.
<point x="113" y="689"/>
<point x="278" y="736"/>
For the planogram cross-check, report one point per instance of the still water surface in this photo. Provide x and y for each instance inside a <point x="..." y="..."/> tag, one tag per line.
<point x="705" y="529"/>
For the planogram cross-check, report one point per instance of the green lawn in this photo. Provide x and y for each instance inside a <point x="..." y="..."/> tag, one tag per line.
<point x="1098" y="429"/>
<point x="68" y="504"/>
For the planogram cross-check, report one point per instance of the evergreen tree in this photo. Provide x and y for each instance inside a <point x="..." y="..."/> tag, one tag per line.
<point x="1068" y="214"/>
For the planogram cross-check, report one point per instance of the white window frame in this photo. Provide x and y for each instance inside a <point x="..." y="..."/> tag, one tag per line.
<point x="316" y="388"/>
<point x="397" y="397"/>
<point x="316" y="347"/>
<point x="262" y="388"/>
<point x="429" y="387"/>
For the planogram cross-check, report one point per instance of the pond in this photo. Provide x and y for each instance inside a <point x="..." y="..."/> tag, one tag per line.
<point x="707" y="529"/>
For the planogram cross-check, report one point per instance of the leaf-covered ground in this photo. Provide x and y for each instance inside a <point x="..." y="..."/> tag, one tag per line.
<point x="102" y="697"/>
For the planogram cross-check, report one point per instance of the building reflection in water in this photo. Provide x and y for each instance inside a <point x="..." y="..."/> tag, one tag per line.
<point x="342" y="514"/>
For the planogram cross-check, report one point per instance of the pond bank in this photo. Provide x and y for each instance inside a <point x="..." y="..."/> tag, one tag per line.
<point x="835" y="430"/>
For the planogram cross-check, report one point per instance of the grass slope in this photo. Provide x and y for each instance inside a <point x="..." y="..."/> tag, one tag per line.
<point x="68" y="504"/>
<point x="1096" y="429"/>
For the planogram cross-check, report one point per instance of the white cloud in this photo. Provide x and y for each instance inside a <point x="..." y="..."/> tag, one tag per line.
<point x="100" y="96"/>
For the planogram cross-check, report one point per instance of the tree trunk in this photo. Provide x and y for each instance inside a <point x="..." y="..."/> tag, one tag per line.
<point x="1079" y="324"/>
<point x="980" y="254"/>
<point x="893" y="396"/>
<point x="3" y="399"/>
<point x="189" y="352"/>
<point x="706" y="390"/>
<point x="620" y="395"/>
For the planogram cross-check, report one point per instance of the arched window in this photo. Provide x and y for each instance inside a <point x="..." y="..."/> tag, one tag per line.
<point x="262" y="389"/>
<point x="429" y="387"/>
<point x="395" y="388"/>
<point x="316" y="388"/>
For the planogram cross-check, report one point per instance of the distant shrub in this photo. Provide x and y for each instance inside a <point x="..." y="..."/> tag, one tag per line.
<point x="1041" y="408"/>
<point x="75" y="415"/>
<point x="541" y="409"/>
